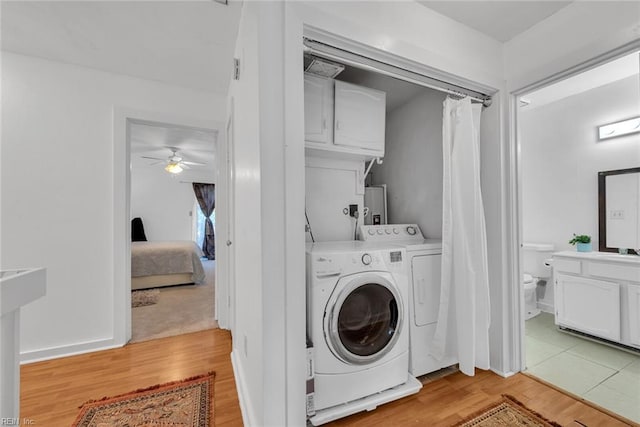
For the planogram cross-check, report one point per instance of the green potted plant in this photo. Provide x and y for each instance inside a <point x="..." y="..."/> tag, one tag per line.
<point x="582" y="242"/>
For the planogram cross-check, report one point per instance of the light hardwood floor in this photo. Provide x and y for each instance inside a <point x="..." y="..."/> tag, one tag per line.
<point x="52" y="391"/>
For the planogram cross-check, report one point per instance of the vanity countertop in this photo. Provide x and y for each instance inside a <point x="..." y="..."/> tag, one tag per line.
<point x="600" y="256"/>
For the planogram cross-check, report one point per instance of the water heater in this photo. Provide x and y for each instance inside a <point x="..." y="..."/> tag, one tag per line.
<point x="375" y="198"/>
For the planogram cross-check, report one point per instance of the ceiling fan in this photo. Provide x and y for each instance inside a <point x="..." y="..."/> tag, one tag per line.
<point x="175" y="163"/>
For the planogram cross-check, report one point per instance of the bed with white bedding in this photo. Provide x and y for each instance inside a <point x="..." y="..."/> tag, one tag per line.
<point x="167" y="263"/>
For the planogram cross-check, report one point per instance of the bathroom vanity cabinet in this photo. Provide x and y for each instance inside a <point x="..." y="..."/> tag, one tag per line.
<point x="598" y="293"/>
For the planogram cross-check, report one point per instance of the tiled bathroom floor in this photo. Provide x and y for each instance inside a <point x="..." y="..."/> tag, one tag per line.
<point x="599" y="373"/>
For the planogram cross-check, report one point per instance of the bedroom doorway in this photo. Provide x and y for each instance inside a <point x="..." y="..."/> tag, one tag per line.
<point x="172" y="281"/>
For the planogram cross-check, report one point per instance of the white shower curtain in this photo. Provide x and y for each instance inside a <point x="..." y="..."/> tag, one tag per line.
<point x="463" y="318"/>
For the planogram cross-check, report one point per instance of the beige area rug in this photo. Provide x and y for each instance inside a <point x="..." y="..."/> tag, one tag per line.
<point x="508" y="412"/>
<point x="185" y="403"/>
<point x="144" y="297"/>
<point x="179" y="310"/>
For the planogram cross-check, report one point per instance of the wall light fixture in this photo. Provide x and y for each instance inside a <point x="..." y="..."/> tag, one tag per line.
<point x="624" y="127"/>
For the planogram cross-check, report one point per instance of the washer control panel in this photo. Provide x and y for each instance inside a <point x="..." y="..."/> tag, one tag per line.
<point x="390" y="232"/>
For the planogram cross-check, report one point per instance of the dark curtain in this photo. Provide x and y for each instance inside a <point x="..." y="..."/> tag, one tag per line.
<point x="137" y="230"/>
<point x="206" y="196"/>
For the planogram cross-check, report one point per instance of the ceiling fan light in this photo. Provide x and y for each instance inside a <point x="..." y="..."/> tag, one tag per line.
<point x="173" y="168"/>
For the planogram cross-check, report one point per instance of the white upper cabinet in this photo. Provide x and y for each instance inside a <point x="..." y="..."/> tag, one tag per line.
<point x="318" y="109"/>
<point x="359" y="117"/>
<point x="343" y="119"/>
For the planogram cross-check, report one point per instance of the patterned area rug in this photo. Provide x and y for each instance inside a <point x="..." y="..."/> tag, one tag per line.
<point x="186" y="403"/>
<point x="146" y="297"/>
<point x="507" y="412"/>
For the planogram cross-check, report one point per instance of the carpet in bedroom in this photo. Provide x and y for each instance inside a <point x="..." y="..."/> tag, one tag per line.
<point x="180" y="310"/>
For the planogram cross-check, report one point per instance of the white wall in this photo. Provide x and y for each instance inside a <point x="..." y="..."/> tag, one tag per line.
<point x="561" y="158"/>
<point x="331" y="186"/>
<point x="248" y="344"/>
<point x="413" y="31"/>
<point x="412" y="167"/>
<point x="164" y="202"/>
<point x="57" y="190"/>
<point x="575" y="34"/>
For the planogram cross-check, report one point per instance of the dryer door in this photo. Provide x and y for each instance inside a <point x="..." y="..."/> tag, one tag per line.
<point x="363" y="317"/>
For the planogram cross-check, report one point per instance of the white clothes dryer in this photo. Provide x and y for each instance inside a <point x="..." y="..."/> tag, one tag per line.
<point x="356" y="299"/>
<point x="424" y="258"/>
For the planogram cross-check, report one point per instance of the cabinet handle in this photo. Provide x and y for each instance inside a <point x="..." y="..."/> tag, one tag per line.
<point x="337" y="124"/>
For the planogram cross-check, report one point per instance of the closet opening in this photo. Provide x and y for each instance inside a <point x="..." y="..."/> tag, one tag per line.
<point x="405" y="70"/>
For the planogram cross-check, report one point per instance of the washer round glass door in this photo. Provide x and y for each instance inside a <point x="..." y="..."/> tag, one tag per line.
<point x="364" y="319"/>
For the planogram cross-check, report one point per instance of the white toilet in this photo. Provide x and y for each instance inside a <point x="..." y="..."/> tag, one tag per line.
<point x="536" y="265"/>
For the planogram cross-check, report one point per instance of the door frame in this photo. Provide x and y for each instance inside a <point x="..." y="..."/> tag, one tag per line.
<point x="295" y="27"/>
<point x="122" y="118"/>
<point x="515" y="181"/>
<point x="225" y="194"/>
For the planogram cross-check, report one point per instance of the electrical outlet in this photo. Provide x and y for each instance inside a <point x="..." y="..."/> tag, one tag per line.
<point x="352" y="210"/>
<point x="618" y="214"/>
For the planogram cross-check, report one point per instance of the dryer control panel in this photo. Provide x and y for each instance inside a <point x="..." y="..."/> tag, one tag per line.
<point x="390" y="232"/>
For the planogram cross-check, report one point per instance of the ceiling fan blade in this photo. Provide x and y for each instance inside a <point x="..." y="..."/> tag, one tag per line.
<point x="157" y="163"/>
<point x="152" y="158"/>
<point x="193" y="163"/>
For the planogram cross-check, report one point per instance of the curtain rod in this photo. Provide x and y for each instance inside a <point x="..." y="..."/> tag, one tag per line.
<point x="320" y="49"/>
<point x="196" y="182"/>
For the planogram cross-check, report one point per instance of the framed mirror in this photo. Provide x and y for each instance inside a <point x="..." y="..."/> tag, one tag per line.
<point x="619" y="210"/>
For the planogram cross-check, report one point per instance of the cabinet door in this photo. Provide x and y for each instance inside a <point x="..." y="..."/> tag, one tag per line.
<point x="425" y="271"/>
<point x="634" y="314"/>
<point x="318" y="109"/>
<point x="587" y="305"/>
<point x="360" y="115"/>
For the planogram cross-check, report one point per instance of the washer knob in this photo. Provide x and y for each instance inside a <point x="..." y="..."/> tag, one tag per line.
<point x="411" y="230"/>
<point x="386" y="230"/>
<point x="371" y="232"/>
<point x="380" y="232"/>
<point x="395" y="230"/>
<point x="366" y="259"/>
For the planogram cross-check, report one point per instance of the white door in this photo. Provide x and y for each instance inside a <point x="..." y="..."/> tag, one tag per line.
<point x="634" y="314"/>
<point x="231" y="201"/>
<point x="318" y="109"/>
<point x="360" y="115"/>
<point x="588" y="305"/>
<point x="425" y="271"/>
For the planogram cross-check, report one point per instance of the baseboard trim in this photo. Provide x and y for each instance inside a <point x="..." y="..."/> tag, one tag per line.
<point x="68" y="350"/>
<point x="547" y="308"/>
<point x="503" y="374"/>
<point x="248" y="415"/>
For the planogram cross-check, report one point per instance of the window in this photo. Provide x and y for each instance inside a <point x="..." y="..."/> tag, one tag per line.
<point x="198" y="223"/>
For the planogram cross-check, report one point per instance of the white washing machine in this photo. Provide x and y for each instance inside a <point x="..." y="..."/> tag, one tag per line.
<point x="424" y="258"/>
<point x="356" y="301"/>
